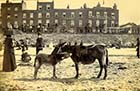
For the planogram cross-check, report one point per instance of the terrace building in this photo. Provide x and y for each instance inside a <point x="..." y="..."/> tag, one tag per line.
<point x="72" y="20"/>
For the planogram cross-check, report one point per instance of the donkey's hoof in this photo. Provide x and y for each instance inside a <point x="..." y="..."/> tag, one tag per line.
<point x="76" y="77"/>
<point x="104" y="78"/>
<point x="54" y="77"/>
<point x="98" y="76"/>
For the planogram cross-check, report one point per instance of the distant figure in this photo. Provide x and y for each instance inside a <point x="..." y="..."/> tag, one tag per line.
<point x="39" y="44"/>
<point x="75" y="43"/>
<point x="9" y="61"/>
<point x="138" y="48"/>
<point x="26" y="41"/>
<point x="25" y="57"/>
<point x="22" y="45"/>
<point x="81" y="44"/>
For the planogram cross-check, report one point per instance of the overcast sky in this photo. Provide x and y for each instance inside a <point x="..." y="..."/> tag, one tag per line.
<point x="128" y="9"/>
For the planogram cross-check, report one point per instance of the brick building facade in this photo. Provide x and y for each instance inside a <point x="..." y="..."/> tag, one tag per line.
<point x="74" y="20"/>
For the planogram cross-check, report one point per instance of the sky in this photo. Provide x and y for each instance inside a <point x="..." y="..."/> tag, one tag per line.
<point x="128" y="9"/>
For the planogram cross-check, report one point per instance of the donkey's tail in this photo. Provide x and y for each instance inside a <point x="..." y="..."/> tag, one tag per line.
<point x="107" y="60"/>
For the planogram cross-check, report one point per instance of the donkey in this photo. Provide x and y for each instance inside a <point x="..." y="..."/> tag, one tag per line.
<point x="87" y="55"/>
<point x="51" y="59"/>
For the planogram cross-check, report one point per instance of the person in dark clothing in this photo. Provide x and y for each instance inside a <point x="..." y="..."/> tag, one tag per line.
<point x="9" y="61"/>
<point x="25" y="57"/>
<point x="26" y="43"/>
<point x="39" y="44"/>
<point x="22" y="46"/>
<point x="138" y="48"/>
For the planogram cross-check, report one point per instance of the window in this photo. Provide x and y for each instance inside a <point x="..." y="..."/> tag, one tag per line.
<point x="39" y="21"/>
<point x="48" y="22"/>
<point x="90" y="14"/>
<point x="24" y="15"/>
<point x="16" y="15"/>
<point x="47" y="15"/>
<point x="8" y="16"/>
<point x="16" y="24"/>
<point x="56" y="14"/>
<point x="39" y="15"/>
<point x="97" y="14"/>
<point x="113" y="15"/>
<point x="80" y="14"/>
<point x="31" y="15"/>
<point x="105" y="21"/>
<point x="31" y="22"/>
<point x="48" y="6"/>
<point x="97" y="22"/>
<point x="56" y="21"/>
<point x="24" y="21"/>
<point x="72" y="14"/>
<point x="16" y="8"/>
<point x="105" y="14"/>
<point x="8" y="8"/>
<point x="64" y="14"/>
<point x="112" y="23"/>
<point x="80" y="23"/>
<point x="72" y="23"/>
<point x="64" y="22"/>
<point x="90" y="23"/>
<point x="9" y="25"/>
<point x="39" y="7"/>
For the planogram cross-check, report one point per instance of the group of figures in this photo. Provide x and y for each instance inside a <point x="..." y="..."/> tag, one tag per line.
<point x="9" y="60"/>
<point x="78" y="53"/>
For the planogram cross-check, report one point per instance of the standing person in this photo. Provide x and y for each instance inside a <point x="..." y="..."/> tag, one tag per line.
<point x="9" y="61"/>
<point x="138" y="48"/>
<point x="22" y="45"/>
<point x="26" y="42"/>
<point x="39" y="43"/>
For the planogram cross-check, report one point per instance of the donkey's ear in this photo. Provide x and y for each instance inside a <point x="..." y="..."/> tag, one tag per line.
<point x="62" y="44"/>
<point x="69" y="43"/>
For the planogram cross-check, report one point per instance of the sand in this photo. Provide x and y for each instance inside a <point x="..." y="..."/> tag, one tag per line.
<point x="123" y="74"/>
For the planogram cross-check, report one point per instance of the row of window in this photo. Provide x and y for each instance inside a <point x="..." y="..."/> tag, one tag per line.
<point x="48" y="7"/>
<point x="72" y="22"/>
<point x="90" y="15"/>
<point x="15" y="9"/>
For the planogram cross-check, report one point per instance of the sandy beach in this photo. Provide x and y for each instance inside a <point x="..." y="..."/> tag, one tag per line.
<point x="123" y="74"/>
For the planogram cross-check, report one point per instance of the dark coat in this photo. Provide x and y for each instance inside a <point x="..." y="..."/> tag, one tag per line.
<point x="39" y="43"/>
<point x="9" y="62"/>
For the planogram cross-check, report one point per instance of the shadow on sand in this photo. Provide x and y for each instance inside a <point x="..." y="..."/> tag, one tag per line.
<point x="61" y="80"/>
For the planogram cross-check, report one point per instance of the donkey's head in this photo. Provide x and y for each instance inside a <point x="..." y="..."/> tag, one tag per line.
<point x="67" y="48"/>
<point x="57" y="48"/>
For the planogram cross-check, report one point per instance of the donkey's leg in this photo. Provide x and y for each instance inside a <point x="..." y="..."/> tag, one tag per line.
<point x="101" y="68"/>
<point x="54" y="70"/>
<point x="105" y="75"/>
<point x="36" y="67"/>
<point x="104" y="65"/>
<point x="77" y="70"/>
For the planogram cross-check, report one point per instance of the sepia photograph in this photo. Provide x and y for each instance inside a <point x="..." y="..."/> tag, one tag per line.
<point x="69" y="45"/>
